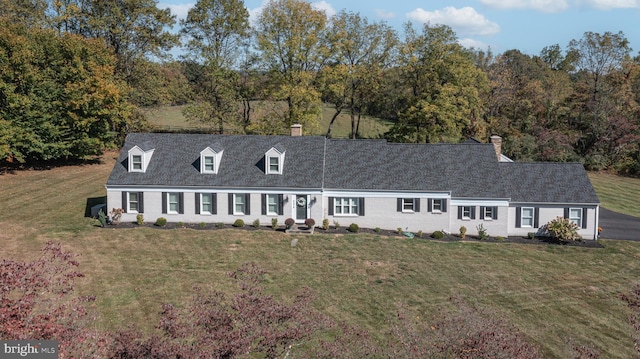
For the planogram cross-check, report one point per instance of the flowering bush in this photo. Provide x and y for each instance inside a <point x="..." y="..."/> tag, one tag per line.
<point x="563" y="229"/>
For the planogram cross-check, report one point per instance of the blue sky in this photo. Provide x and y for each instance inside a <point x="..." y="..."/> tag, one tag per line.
<point x="526" y="25"/>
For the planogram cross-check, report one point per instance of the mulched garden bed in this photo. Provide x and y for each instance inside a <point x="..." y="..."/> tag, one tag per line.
<point x="381" y="232"/>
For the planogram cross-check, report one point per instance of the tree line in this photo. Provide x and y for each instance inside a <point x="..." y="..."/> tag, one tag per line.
<point x="75" y="74"/>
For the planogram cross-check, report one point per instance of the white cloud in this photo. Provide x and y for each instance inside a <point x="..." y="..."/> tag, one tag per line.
<point x="180" y="11"/>
<point x="384" y="14"/>
<point x="471" y="43"/>
<point x="539" y="5"/>
<point x="324" y="6"/>
<point x="612" y="4"/>
<point x="465" y="20"/>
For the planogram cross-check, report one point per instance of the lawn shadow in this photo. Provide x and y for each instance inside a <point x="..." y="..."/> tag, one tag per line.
<point x="94" y="201"/>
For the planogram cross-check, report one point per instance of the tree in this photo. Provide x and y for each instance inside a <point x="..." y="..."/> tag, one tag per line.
<point x="216" y="32"/>
<point x="59" y="97"/>
<point x="362" y="51"/>
<point x="132" y="29"/>
<point x="37" y="303"/>
<point x="291" y="42"/>
<point x="442" y="87"/>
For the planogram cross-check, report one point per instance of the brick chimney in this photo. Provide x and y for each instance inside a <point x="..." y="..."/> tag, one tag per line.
<point x="296" y="129"/>
<point x="497" y="145"/>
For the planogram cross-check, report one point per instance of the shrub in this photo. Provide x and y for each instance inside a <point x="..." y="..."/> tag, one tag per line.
<point x="482" y="233"/>
<point x="161" y="222"/>
<point x="289" y="222"/>
<point x="437" y="235"/>
<point x="336" y="224"/>
<point x="563" y="229"/>
<point x="140" y="219"/>
<point x="180" y="224"/>
<point x="463" y="232"/>
<point x="219" y="225"/>
<point x="419" y="234"/>
<point x="310" y="222"/>
<point x="274" y="223"/>
<point x="500" y="238"/>
<point x="354" y="228"/>
<point x="531" y="235"/>
<point x="238" y="223"/>
<point x="256" y="223"/>
<point x="399" y="230"/>
<point x="377" y="230"/>
<point x="102" y="219"/>
<point x="325" y="224"/>
<point x="202" y="224"/>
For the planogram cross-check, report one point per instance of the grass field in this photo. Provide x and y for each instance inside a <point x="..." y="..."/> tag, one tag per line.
<point x="552" y="293"/>
<point x="620" y="194"/>
<point x="171" y="117"/>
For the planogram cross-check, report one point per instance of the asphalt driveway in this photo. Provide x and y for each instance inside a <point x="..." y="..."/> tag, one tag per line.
<point x="619" y="226"/>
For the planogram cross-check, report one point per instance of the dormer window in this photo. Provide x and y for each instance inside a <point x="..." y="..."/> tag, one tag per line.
<point x="139" y="157"/>
<point x="274" y="160"/>
<point x="210" y="159"/>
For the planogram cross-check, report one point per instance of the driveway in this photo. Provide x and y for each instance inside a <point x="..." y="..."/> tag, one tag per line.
<point x="619" y="226"/>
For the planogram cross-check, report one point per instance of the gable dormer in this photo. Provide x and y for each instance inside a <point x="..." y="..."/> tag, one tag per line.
<point x="210" y="159"/>
<point x="140" y="156"/>
<point x="274" y="160"/>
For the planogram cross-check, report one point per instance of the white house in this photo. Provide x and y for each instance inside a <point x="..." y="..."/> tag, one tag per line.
<point x="194" y="178"/>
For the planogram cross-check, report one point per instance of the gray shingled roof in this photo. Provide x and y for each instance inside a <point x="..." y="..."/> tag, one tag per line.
<point x="175" y="161"/>
<point x="548" y="182"/>
<point x="467" y="170"/>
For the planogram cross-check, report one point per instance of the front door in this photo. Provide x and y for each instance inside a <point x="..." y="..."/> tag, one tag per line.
<point x="302" y="208"/>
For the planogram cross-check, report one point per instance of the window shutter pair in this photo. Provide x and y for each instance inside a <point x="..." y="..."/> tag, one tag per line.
<point x="494" y="210"/>
<point x="165" y="196"/>
<point x="214" y="203"/>
<point x="360" y="206"/>
<point x="125" y="200"/>
<point x="472" y="214"/>
<point x="247" y="203"/>
<point x="280" y="202"/>
<point x="536" y="216"/>
<point x="430" y="205"/>
<point x="416" y="204"/>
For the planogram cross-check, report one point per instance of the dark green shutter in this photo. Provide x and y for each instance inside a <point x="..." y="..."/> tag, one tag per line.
<point x="584" y="218"/>
<point x="331" y="206"/>
<point x="280" y="204"/>
<point x="197" y="203"/>
<point x="416" y="204"/>
<point x="399" y="205"/>
<point x="361" y="206"/>
<point x="230" y="203"/>
<point x="518" y="217"/>
<point x="264" y="204"/>
<point x="459" y="212"/>
<point x="444" y="205"/>
<point x="482" y="212"/>
<point x="181" y="202"/>
<point x="473" y="212"/>
<point x="247" y="203"/>
<point x="430" y="205"/>
<point x="536" y="215"/>
<point x="214" y="203"/>
<point x="566" y="213"/>
<point x="495" y="212"/>
<point x="164" y="202"/>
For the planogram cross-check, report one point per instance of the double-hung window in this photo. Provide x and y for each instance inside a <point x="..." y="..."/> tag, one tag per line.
<point x="273" y="205"/>
<point x="209" y="164"/>
<point x="172" y="202"/>
<point x="575" y="215"/>
<point x="527" y="217"/>
<point x="437" y="205"/>
<point x="133" y="202"/>
<point x="274" y="164"/>
<point x="239" y="203"/>
<point x="206" y="203"/>
<point x="489" y="213"/>
<point x="466" y="212"/>
<point x="136" y="162"/>
<point x="409" y="205"/>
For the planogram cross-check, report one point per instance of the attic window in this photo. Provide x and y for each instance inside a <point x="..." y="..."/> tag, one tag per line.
<point x="210" y="159"/>
<point x="139" y="157"/>
<point x="274" y="160"/>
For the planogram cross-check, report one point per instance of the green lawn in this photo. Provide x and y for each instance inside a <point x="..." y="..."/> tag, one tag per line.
<point x="620" y="194"/>
<point x="171" y="117"/>
<point x="552" y="293"/>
